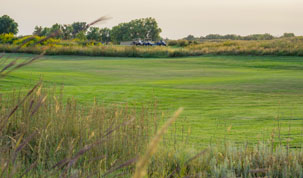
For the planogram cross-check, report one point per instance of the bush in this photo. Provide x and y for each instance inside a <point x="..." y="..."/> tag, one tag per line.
<point x="172" y="43"/>
<point x="183" y="43"/>
<point x="180" y="43"/>
<point x="34" y="39"/>
<point x="7" y="38"/>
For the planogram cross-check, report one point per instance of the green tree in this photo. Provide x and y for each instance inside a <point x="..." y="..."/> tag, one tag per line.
<point x="79" y="27"/>
<point x="232" y="37"/>
<point x="8" y="25"/>
<point x="105" y="35"/>
<point x="67" y="31"/>
<point x="81" y="35"/>
<point x="288" y="35"/>
<point x="265" y="36"/>
<point x="145" y="28"/>
<point x="57" y="28"/>
<point x="213" y="36"/>
<point x="190" y="37"/>
<point x="94" y="34"/>
<point x="45" y="31"/>
<point x="120" y="33"/>
<point x="38" y="31"/>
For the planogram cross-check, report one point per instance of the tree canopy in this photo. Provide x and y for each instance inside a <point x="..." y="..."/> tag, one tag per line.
<point x="145" y="28"/>
<point x="265" y="36"/>
<point x="97" y="34"/>
<point x="8" y="25"/>
<point x="78" y="27"/>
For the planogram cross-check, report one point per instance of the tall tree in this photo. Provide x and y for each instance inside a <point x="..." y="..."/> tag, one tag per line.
<point x="105" y="35"/>
<point x="121" y="32"/>
<point x="145" y="28"/>
<point x="287" y="35"/>
<point x="81" y="35"/>
<point x="67" y="31"/>
<point x="38" y="31"/>
<point x="8" y="25"/>
<point x="190" y="37"/>
<point x="57" y="28"/>
<point x="94" y="34"/>
<point x="79" y="27"/>
<point x="46" y="31"/>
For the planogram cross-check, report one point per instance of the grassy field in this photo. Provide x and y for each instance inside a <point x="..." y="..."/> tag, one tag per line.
<point x="228" y="97"/>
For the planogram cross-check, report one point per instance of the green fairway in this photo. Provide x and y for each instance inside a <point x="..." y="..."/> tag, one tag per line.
<point x="225" y="97"/>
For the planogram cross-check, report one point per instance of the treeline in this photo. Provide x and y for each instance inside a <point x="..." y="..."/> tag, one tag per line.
<point x="265" y="36"/>
<point x="144" y="28"/>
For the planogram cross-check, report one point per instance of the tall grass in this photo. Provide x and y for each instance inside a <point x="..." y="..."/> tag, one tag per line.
<point x="276" y="47"/>
<point x="228" y="160"/>
<point x="48" y="136"/>
<point x="88" y="139"/>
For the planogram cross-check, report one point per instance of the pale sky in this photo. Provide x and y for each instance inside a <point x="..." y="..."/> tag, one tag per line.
<point x="177" y="18"/>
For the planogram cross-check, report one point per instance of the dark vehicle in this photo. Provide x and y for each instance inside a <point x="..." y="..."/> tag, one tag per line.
<point x="138" y="43"/>
<point x="148" y="43"/>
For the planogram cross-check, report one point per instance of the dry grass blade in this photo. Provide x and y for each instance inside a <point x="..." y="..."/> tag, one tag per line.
<point x="196" y="156"/>
<point x="30" y="168"/>
<point x="3" y="122"/>
<point x="13" y="63"/>
<point x="123" y="124"/>
<point x="24" y="42"/>
<point x="152" y="148"/>
<point x="60" y="163"/>
<point x="55" y="33"/>
<point x="101" y="19"/>
<point x="9" y="65"/>
<point x="188" y="161"/>
<point x="97" y="158"/>
<point x="73" y="160"/>
<point x="25" y="142"/>
<point x="30" y="61"/>
<point x="5" y="168"/>
<point x="3" y="61"/>
<point x="125" y="164"/>
<point x="254" y="171"/>
<point x="27" y="95"/>
<point x="41" y="101"/>
<point x="19" y="148"/>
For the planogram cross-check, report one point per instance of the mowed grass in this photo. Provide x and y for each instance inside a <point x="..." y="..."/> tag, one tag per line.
<point x="236" y="98"/>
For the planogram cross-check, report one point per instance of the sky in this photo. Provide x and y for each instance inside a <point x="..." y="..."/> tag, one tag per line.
<point x="177" y="18"/>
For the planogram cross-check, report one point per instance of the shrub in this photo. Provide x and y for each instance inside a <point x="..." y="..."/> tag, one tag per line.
<point x="180" y="43"/>
<point x="172" y="43"/>
<point x="33" y="40"/>
<point x="7" y="38"/>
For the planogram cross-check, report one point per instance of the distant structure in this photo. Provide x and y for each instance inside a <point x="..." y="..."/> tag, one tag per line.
<point x="126" y="43"/>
